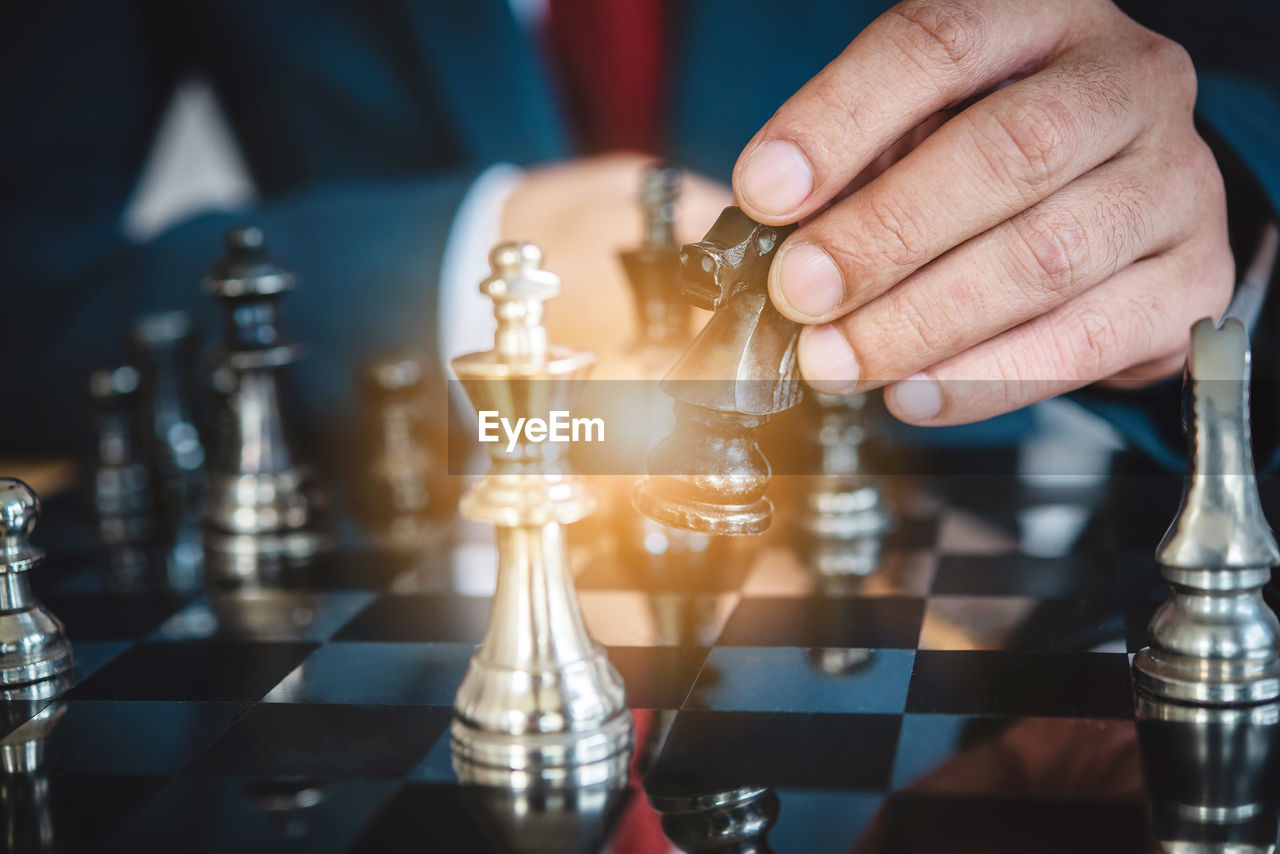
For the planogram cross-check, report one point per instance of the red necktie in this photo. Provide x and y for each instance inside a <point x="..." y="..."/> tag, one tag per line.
<point x="609" y="53"/>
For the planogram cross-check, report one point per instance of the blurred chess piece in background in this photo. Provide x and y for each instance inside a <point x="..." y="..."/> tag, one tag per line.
<point x="263" y="508"/>
<point x="406" y="496"/>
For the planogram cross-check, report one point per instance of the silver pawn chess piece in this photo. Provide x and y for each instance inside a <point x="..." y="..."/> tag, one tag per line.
<point x="33" y="646"/>
<point x="1214" y="640"/>
<point x="260" y="501"/>
<point x="539" y="694"/>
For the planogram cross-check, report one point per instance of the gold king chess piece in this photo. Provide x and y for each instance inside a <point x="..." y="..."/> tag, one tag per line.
<point x="540" y="697"/>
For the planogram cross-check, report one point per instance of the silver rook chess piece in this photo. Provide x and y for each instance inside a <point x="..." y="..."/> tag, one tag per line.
<point x="1214" y="640"/>
<point x="539" y="695"/>
<point x="33" y="646"/>
<point x="260" y="501"/>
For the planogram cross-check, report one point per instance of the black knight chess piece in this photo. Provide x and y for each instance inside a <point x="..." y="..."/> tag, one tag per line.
<point x="709" y="474"/>
<point x="261" y="503"/>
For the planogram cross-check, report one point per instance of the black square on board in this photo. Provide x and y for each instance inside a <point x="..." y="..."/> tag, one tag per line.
<point x="708" y="751"/>
<point x="888" y="622"/>
<point x="1074" y="684"/>
<point x="194" y="670"/>
<point x="325" y="741"/>
<point x="419" y="619"/>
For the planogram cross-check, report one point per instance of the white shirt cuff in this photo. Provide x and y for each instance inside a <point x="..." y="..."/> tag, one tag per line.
<point x="465" y="317"/>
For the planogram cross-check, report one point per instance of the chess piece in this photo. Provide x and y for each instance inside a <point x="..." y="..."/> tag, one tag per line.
<point x="121" y="489"/>
<point x="842" y="501"/>
<point x="528" y="814"/>
<point x="122" y="495"/>
<point x="26" y="819"/>
<point x="1211" y="775"/>
<point x="405" y="495"/>
<point x="539" y="693"/>
<point x="653" y="269"/>
<point x="709" y="474"/>
<point x="260" y="501"/>
<point x="165" y="346"/>
<point x="286" y="804"/>
<point x="33" y="646"/>
<point x="735" y="821"/>
<point x="1214" y="640"/>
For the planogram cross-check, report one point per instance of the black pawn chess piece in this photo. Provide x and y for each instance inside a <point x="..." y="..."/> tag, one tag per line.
<point x="121" y="485"/>
<point x="653" y="269"/>
<point x="407" y="498"/>
<point x="33" y="645"/>
<point x="165" y="346"/>
<point x="262" y="505"/>
<point x="122" y="494"/>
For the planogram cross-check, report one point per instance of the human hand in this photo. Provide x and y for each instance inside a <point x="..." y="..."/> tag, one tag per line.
<point x="992" y="190"/>
<point x="582" y="213"/>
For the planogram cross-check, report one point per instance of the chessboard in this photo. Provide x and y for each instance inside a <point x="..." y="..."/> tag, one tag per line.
<point x="969" y="691"/>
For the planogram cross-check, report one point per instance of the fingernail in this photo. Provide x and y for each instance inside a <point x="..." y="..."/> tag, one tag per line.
<point x="827" y="360"/>
<point x="777" y="177"/>
<point x="809" y="280"/>
<point x="917" y="398"/>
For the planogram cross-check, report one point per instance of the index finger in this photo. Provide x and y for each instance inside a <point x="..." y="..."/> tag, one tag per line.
<point x="915" y="59"/>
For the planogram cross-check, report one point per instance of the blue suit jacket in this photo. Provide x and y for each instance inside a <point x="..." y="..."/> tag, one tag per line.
<point x="362" y="123"/>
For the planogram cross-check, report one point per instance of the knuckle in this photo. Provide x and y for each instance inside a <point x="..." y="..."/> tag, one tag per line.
<point x="1030" y="142"/>
<point x="1089" y="339"/>
<point x="1101" y="86"/>
<point x="940" y="36"/>
<point x="894" y="231"/>
<point x="1056" y="246"/>
<point x="1125" y="210"/>
<point x="1206" y="176"/>
<point x="1173" y="64"/>
<point x="920" y="319"/>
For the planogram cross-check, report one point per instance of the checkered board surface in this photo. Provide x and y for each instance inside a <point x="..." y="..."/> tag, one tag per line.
<point x="985" y="706"/>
